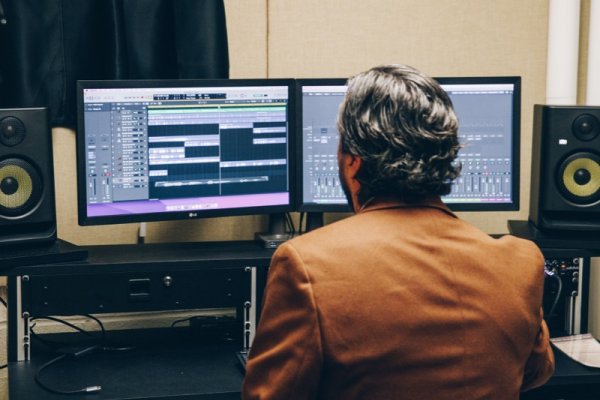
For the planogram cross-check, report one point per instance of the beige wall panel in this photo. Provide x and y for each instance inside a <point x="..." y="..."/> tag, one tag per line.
<point x="210" y="229"/>
<point x="329" y="38"/>
<point x="247" y="36"/>
<point x="65" y="184"/>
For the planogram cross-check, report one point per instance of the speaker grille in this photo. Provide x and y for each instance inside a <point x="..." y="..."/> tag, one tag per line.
<point x="20" y="187"/>
<point x="579" y="178"/>
<point x="12" y="131"/>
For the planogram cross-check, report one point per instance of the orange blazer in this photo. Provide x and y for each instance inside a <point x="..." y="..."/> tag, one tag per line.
<point x="401" y="302"/>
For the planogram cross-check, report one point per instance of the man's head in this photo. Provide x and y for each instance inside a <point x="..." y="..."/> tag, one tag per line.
<point x="398" y="136"/>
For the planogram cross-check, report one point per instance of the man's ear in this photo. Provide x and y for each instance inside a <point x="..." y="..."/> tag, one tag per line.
<point x="353" y="164"/>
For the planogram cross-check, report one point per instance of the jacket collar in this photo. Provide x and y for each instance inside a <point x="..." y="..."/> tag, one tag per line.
<point x="383" y="203"/>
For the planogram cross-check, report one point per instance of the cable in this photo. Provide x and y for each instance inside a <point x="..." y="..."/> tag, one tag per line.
<point x="180" y="320"/>
<point x="300" y="231"/>
<point x="69" y="352"/>
<point x="554" y="274"/>
<point x="290" y="223"/>
<point x="81" y="353"/>
<point x="55" y="345"/>
<point x="100" y="324"/>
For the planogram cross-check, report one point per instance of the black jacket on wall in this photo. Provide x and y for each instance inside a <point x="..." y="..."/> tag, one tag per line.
<point x="47" y="45"/>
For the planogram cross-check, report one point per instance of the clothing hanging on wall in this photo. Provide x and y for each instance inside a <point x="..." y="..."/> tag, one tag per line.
<point x="47" y="45"/>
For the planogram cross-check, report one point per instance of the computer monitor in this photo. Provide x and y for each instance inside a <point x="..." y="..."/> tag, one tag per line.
<point x="488" y="109"/>
<point x="318" y="102"/>
<point x="181" y="149"/>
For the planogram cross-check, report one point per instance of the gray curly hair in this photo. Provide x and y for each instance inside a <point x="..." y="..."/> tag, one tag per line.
<point x="401" y="123"/>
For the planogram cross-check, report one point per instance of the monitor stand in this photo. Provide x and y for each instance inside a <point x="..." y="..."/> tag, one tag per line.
<point x="277" y="233"/>
<point x="314" y="220"/>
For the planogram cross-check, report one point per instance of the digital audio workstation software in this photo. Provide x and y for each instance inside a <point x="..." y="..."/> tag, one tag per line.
<point x="488" y="113"/>
<point x="160" y="150"/>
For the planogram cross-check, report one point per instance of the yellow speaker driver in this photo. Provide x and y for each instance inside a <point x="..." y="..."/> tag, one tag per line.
<point x="16" y="186"/>
<point x="20" y="187"/>
<point x="579" y="177"/>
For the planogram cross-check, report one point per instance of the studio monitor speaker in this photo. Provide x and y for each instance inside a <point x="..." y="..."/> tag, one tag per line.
<point x="565" y="173"/>
<point x="27" y="211"/>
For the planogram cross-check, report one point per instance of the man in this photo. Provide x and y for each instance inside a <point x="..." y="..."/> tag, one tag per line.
<point x="402" y="300"/>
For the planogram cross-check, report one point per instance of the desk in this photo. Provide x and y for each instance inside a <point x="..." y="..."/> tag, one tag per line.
<point x="178" y="367"/>
<point x="571" y="381"/>
<point x="165" y="364"/>
<point x="139" y="278"/>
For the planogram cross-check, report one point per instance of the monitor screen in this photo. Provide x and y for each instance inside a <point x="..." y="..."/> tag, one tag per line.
<point x="160" y="150"/>
<point x="488" y="109"/>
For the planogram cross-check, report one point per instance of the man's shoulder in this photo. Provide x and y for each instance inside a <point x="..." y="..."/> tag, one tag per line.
<point x="342" y="227"/>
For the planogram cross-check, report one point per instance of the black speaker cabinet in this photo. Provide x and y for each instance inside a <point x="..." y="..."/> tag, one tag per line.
<point x="565" y="172"/>
<point x="27" y="211"/>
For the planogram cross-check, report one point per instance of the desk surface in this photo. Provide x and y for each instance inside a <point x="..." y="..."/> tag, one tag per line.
<point x="571" y="381"/>
<point x="130" y="257"/>
<point x="178" y="368"/>
<point x="181" y="368"/>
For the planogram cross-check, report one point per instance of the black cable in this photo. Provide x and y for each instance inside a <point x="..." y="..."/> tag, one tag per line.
<point x="87" y="389"/>
<point x="290" y="223"/>
<point x="100" y="324"/>
<point x="558" y="292"/>
<point x="300" y="231"/>
<point x="68" y="352"/>
<point x="180" y="320"/>
<point x="104" y="339"/>
<point x="67" y="323"/>
<point x="55" y="345"/>
<point x="51" y="344"/>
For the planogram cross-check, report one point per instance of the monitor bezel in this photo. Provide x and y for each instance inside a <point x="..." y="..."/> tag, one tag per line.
<point x="459" y="207"/>
<point x="85" y="220"/>
<point x="301" y="205"/>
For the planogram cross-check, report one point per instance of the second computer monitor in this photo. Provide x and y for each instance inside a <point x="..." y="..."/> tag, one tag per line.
<point x="488" y="109"/>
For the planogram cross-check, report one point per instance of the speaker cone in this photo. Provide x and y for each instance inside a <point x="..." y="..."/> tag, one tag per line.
<point x="20" y="187"/>
<point x="579" y="178"/>
<point x="12" y="131"/>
